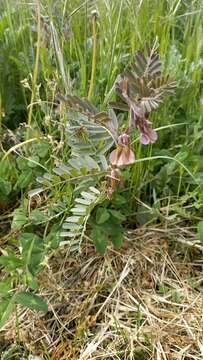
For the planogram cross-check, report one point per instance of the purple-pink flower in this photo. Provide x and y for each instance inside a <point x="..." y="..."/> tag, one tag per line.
<point x="148" y="135"/>
<point x="122" y="155"/>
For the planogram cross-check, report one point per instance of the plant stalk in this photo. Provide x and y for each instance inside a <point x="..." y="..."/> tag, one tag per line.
<point x="36" y="67"/>
<point x="94" y="32"/>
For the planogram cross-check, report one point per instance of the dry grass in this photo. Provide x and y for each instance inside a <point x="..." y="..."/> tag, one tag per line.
<point x="143" y="302"/>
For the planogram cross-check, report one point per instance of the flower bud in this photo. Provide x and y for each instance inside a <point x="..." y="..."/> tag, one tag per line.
<point x="124" y="139"/>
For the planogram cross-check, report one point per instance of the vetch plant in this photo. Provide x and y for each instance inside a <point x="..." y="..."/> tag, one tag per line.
<point x="94" y="173"/>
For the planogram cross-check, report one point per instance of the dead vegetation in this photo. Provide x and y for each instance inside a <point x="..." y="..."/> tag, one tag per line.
<point x="143" y="302"/>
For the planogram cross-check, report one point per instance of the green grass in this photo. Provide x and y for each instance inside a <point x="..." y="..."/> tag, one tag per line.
<point x="46" y="48"/>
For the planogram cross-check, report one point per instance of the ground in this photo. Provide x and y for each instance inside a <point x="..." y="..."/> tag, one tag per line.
<point x="141" y="302"/>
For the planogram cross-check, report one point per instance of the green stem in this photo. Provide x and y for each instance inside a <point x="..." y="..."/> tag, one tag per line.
<point x="113" y="48"/>
<point x="36" y="67"/>
<point x="94" y="21"/>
